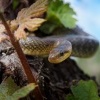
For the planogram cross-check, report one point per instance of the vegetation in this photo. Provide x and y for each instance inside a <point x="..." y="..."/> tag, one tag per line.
<point x="84" y="90"/>
<point x="57" y="15"/>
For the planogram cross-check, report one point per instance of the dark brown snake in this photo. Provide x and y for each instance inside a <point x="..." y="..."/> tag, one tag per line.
<point x="58" y="48"/>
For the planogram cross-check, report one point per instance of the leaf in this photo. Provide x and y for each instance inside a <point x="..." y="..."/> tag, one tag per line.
<point x="23" y="91"/>
<point x="15" y="4"/>
<point x="58" y="15"/>
<point x="48" y="27"/>
<point x="35" y="10"/>
<point x="2" y="28"/>
<point x="70" y="97"/>
<point x="2" y="35"/>
<point x="7" y="88"/>
<point x="30" y="24"/>
<point x="26" y="18"/>
<point x="61" y="13"/>
<point x="85" y="90"/>
<point x="10" y="91"/>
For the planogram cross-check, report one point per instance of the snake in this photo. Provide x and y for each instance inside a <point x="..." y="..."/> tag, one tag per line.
<point x="60" y="46"/>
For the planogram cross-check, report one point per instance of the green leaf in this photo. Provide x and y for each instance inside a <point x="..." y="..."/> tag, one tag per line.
<point x="58" y="15"/>
<point x="48" y="27"/>
<point x="61" y="14"/>
<point x="85" y="90"/>
<point x="10" y="91"/>
<point x="23" y="91"/>
<point x="7" y="88"/>
<point x="70" y="97"/>
<point x="15" y="3"/>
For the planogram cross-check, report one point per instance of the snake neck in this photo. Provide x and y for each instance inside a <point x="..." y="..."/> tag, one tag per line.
<point x="37" y="46"/>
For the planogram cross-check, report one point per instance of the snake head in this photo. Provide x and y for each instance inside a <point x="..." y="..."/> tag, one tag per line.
<point x="60" y="53"/>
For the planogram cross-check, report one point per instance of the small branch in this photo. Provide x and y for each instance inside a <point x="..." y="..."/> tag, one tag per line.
<point x="22" y="58"/>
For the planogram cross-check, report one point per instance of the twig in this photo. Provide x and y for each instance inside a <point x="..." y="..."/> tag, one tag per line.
<point x="22" y="58"/>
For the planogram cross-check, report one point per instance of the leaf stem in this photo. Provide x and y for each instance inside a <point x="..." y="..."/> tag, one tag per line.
<point x="26" y="67"/>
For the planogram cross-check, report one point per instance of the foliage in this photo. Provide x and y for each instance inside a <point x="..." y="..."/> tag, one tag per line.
<point x="10" y="91"/>
<point x="15" y="3"/>
<point x="59" y="14"/>
<point x="84" y="90"/>
<point x="27" y="18"/>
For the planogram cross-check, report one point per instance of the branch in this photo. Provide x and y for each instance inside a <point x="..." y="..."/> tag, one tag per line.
<point x="22" y="58"/>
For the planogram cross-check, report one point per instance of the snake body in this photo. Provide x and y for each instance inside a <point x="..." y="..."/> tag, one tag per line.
<point x="60" y="47"/>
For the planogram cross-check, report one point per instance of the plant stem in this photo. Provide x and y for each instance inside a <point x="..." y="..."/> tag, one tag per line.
<point x="23" y="60"/>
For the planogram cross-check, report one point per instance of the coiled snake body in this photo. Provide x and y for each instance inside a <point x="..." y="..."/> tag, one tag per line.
<point x="60" y="47"/>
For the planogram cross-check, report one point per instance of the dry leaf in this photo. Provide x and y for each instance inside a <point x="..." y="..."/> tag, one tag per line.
<point x="13" y="25"/>
<point x="20" y="33"/>
<point x="26" y="18"/>
<point x="33" y="11"/>
<point x="3" y="37"/>
<point x="30" y="24"/>
<point x="2" y="28"/>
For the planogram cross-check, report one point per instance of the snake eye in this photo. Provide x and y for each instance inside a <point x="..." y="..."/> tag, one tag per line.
<point x="62" y="53"/>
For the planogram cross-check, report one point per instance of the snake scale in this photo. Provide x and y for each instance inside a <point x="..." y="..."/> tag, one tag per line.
<point x="59" y="47"/>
